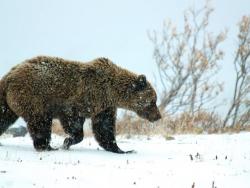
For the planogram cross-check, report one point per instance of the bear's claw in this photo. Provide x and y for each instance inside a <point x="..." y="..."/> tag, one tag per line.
<point x="66" y="143"/>
<point x="119" y="151"/>
<point x="130" y="151"/>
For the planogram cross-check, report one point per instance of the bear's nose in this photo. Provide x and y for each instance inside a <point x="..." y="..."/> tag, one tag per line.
<point x="158" y="116"/>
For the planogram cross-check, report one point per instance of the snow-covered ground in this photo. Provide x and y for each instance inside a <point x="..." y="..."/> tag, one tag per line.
<point x="222" y="160"/>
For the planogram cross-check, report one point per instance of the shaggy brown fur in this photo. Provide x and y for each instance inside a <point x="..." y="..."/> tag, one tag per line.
<point x="43" y="88"/>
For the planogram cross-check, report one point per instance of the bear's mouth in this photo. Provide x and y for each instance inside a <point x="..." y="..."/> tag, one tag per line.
<point x="151" y="113"/>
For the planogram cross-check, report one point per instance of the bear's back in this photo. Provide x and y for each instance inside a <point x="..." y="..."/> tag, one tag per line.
<point x="45" y="76"/>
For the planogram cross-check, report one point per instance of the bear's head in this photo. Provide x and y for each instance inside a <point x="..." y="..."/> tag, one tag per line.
<point x="140" y="97"/>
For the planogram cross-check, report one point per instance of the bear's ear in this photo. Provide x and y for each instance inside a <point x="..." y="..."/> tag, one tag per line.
<point x="140" y="83"/>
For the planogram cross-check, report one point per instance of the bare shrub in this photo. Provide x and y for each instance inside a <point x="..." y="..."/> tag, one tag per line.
<point x="187" y="62"/>
<point x="239" y="110"/>
<point x="201" y="122"/>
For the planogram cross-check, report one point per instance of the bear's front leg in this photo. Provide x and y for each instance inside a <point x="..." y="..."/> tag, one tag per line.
<point x="103" y="125"/>
<point x="73" y="126"/>
<point x="40" y="130"/>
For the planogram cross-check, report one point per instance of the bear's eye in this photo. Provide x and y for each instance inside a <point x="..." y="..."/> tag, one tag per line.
<point x="151" y="103"/>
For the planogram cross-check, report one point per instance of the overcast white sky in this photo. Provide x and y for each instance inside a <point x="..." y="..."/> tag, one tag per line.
<point x="84" y="30"/>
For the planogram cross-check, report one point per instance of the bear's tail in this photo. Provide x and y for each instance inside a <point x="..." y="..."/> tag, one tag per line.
<point x="7" y="116"/>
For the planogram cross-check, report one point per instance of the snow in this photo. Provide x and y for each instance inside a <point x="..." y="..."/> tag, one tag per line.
<point x="157" y="163"/>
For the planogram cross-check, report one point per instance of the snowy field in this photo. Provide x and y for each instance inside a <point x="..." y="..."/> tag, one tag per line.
<point x="221" y="161"/>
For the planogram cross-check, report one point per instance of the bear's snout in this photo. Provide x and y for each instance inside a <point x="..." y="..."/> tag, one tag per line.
<point x="151" y="113"/>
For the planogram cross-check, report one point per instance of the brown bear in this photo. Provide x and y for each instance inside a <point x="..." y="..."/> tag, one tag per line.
<point x="43" y="88"/>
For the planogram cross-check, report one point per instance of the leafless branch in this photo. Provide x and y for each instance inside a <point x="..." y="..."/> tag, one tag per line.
<point x="187" y="61"/>
<point x="238" y="112"/>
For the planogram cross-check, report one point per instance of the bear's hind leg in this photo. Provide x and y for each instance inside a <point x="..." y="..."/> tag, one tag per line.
<point x="73" y="126"/>
<point x="104" y="130"/>
<point x="40" y="131"/>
